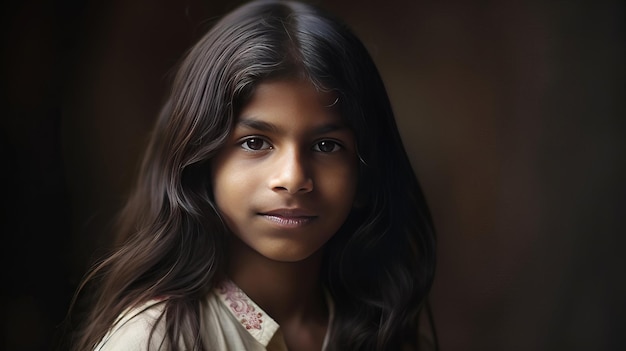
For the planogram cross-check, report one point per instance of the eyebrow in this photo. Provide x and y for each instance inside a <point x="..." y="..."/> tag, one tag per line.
<point x="253" y="123"/>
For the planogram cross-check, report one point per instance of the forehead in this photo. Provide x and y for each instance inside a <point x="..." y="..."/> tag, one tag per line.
<point x="291" y="100"/>
<point x="293" y="87"/>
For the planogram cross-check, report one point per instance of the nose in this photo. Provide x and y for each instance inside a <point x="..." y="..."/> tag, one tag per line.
<point x="291" y="173"/>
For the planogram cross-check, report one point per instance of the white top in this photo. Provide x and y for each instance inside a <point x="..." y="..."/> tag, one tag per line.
<point x="230" y="321"/>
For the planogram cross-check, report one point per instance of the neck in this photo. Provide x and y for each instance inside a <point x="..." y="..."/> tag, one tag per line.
<point x="287" y="291"/>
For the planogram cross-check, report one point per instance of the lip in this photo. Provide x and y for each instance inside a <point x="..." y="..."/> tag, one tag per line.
<point x="289" y="212"/>
<point x="289" y="217"/>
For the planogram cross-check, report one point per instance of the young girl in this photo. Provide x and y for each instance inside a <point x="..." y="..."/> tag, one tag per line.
<point x="276" y="208"/>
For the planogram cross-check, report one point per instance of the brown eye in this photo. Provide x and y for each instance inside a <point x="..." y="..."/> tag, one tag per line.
<point x="255" y="144"/>
<point x="327" y="146"/>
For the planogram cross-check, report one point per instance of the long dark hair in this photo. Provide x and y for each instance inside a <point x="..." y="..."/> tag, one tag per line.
<point x="378" y="268"/>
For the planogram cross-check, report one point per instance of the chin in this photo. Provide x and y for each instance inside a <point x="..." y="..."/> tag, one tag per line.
<point x="290" y="256"/>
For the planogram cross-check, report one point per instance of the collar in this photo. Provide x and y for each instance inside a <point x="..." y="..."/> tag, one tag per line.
<point x="252" y="318"/>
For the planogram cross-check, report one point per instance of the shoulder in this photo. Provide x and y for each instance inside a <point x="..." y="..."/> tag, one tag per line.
<point x="137" y="329"/>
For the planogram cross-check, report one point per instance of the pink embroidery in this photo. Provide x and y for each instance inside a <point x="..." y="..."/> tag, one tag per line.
<point x="241" y="306"/>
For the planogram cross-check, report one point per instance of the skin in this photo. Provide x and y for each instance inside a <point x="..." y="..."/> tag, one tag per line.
<point x="284" y="184"/>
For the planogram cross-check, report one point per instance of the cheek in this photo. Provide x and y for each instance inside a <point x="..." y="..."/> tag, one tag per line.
<point x="340" y="184"/>
<point x="235" y="186"/>
<point x="223" y="178"/>
<point x="228" y="192"/>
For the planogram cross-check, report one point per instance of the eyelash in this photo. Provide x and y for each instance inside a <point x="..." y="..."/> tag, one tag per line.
<point x="336" y="146"/>
<point x="267" y="146"/>
<point x="243" y="143"/>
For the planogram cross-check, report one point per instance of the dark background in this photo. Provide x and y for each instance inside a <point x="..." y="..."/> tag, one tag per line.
<point x="512" y="112"/>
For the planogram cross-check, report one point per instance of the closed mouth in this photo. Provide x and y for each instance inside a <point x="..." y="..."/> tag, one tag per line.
<point x="292" y="218"/>
<point x="289" y="221"/>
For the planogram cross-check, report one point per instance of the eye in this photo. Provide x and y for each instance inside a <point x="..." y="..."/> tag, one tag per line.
<point x="327" y="146"/>
<point x="255" y="144"/>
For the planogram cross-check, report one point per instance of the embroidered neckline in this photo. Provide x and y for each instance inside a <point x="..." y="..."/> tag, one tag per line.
<point x="241" y="306"/>
<point x="252" y="317"/>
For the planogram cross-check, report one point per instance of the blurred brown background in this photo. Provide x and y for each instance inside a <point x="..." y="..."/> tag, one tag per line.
<point x="512" y="112"/>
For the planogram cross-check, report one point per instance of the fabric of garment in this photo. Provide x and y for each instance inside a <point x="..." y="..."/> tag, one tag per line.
<point x="230" y="321"/>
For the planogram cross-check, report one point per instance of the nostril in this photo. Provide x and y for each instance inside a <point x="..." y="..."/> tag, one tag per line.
<point x="291" y="173"/>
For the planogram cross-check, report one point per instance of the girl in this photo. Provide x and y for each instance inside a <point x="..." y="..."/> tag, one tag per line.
<point x="276" y="208"/>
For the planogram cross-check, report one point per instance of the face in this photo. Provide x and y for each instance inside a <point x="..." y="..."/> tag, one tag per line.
<point x="286" y="180"/>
